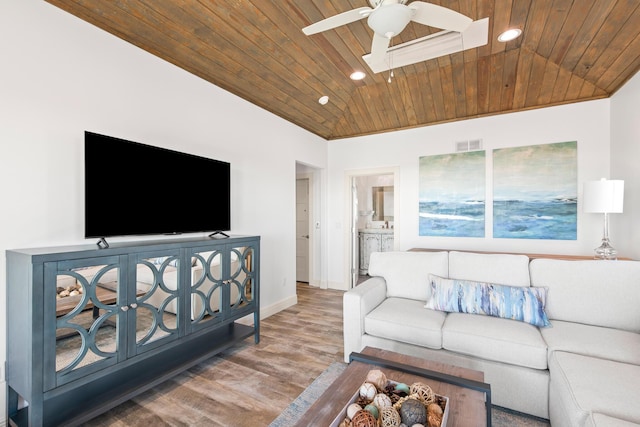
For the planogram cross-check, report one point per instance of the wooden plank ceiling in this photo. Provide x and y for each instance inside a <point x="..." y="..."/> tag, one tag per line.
<point x="570" y="51"/>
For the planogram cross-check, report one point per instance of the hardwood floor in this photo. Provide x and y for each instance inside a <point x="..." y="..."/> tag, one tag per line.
<point x="248" y="385"/>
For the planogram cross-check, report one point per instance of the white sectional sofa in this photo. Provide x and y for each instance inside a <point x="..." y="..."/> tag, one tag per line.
<point x="581" y="370"/>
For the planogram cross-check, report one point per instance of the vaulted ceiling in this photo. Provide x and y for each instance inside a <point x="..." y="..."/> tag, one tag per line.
<point x="570" y="51"/>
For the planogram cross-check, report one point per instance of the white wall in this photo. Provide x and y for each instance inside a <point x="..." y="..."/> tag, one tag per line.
<point x="587" y="123"/>
<point x="61" y="76"/>
<point x="625" y="149"/>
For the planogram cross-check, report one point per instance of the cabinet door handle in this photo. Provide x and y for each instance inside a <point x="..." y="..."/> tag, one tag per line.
<point x="124" y="308"/>
<point x="134" y="305"/>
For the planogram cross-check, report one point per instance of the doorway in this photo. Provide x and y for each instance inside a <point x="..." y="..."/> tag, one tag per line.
<point x="302" y="230"/>
<point x="373" y="217"/>
<point x="311" y="265"/>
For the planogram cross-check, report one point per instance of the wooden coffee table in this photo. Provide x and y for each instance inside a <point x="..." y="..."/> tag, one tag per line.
<point x="469" y="397"/>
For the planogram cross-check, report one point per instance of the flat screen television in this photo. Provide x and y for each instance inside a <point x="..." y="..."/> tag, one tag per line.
<point x="138" y="189"/>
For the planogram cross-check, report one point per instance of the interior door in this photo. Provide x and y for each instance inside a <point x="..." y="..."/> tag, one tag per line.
<point x="302" y="230"/>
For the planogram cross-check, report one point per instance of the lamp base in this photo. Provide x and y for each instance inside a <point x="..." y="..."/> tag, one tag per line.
<point x="606" y="251"/>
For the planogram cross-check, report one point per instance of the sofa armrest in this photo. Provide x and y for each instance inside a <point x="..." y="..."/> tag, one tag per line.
<point x="356" y="304"/>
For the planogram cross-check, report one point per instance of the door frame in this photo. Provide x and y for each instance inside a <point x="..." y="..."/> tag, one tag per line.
<point x="350" y="211"/>
<point x="317" y="234"/>
<point x="308" y="178"/>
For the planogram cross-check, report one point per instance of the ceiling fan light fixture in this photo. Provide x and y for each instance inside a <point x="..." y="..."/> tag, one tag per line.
<point x="390" y="19"/>
<point x="357" y="75"/>
<point x="509" y="35"/>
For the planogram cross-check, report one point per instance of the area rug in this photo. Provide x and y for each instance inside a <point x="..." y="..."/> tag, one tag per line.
<point x="500" y="417"/>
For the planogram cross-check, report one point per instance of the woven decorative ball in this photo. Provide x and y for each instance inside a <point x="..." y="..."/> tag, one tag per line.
<point x="389" y="417"/>
<point x="352" y="409"/>
<point x="364" y="419"/>
<point x="413" y="412"/>
<point x="368" y="391"/>
<point x="435" y="408"/>
<point x="381" y="400"/>
<point x="377" y="378"/>
<point x="424" y="392"/>
<point x="434" y="415"/>
<point x="373" y="409"/>
<point x="434" y="420"/>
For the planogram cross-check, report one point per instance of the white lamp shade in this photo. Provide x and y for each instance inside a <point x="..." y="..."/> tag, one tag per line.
<point x="604" y="196"/>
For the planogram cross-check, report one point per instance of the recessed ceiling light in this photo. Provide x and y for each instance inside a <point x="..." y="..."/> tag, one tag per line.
<point x="323" y="100"/>
<point x="509" y="35"/>
<point x="357" y="75"/>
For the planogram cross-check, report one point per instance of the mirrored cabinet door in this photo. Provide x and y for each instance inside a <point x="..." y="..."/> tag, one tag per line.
<point x="84" y="316"/>
<point x="206" y="287"/>
<point x="156" y="309"/>
<point x="241" y="277"/>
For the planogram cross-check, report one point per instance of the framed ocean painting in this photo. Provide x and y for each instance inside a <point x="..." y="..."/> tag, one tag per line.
<point x="535" y="192"/>
<point x="452" y="195"/>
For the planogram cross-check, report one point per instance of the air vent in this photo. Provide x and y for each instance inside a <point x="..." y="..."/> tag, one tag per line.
<point x="432" y="46"/>
<point x="475" y="144"/>
<point x="470" y="145"/>
<point x="462" y="146"/>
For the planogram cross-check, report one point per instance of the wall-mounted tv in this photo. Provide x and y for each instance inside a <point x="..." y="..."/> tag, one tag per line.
<point x="138" y="189"/>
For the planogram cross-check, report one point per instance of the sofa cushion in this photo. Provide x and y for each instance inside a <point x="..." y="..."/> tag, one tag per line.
<point x="581" y="385"/>
<point x="407" y="321"/>
<point x="596" y="341"/>
<point x="90" y="273"/>
<point x="601" y="420"/>
<point x="144" y="274"/>
<point x="594" y="292"/>
<point x="496" y="339"/>
<point x="407" y="273"/>
<point x="520" y="303"/>
<point x="505" y="269"/>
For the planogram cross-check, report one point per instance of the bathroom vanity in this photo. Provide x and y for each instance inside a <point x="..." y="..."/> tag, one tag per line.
<point x="373" y="240"/>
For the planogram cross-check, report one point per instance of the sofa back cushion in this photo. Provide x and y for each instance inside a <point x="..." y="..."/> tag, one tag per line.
<point x="593" y="292"/>
<point x="407" y="273"/>
<point x="503" y="269"/>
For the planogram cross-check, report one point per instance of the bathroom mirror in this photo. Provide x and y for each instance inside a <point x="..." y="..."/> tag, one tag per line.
<point x="382" y="203"/>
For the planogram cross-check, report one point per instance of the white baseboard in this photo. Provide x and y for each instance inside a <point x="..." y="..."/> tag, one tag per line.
<point x="339" y="286"/>
<point x="277" y="307"/>
<point x="270" y="310"/>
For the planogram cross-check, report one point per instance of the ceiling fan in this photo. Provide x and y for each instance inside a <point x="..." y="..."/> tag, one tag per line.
<point x="387" y="18"/>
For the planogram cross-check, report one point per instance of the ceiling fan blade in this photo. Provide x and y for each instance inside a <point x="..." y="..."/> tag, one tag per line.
<point x="439" y="17"/>
<point x="338" y="20"/>
<point x="379" y="48"/>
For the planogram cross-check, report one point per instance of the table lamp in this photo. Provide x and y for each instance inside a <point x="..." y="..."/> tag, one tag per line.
<point x="604" y="196"/>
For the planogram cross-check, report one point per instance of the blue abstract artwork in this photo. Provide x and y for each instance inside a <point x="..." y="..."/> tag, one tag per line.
<point x="535" y="192"/>
<point x="452" y="195"/>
